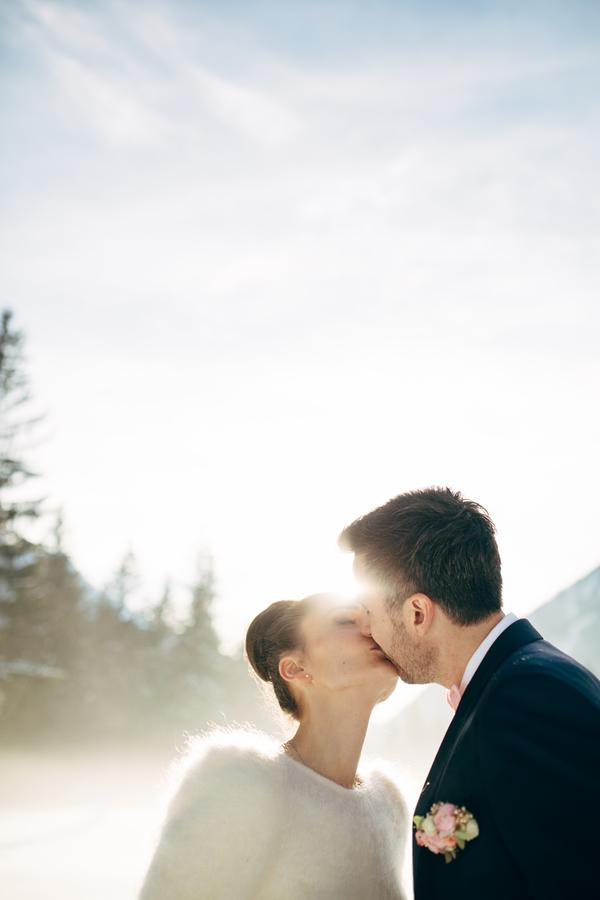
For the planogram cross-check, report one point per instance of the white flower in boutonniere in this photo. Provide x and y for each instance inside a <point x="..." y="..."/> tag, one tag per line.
<point x="446" y="829"/>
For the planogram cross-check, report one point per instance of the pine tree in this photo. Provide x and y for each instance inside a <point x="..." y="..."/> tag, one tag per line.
<point x="196" y="666"/>
<point x="17" y="554"/>
<point x="124" y="583"/>
<point x="199" y="643"/>
<point x="50" y="630"/>
<point x="22" y="633"/>
<point x="200" y="627"/>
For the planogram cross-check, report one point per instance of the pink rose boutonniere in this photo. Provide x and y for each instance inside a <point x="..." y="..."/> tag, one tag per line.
<point x="446" y="829"/>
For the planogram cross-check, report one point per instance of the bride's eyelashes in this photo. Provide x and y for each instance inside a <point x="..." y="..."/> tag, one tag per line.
<point x="341" y="619"/>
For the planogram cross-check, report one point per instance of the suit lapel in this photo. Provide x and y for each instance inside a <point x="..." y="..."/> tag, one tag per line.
<point x="516" y="635"/>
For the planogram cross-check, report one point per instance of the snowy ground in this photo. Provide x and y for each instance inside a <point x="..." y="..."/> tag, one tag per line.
<point x="76" y="826"/>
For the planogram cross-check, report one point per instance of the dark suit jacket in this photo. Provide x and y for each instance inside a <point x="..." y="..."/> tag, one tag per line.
<point x="523" y="755"/>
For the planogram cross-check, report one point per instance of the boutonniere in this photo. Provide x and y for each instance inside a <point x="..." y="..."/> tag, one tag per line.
<point x="446" y="829"/>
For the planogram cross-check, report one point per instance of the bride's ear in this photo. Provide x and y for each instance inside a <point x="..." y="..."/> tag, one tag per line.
<point x="291" y="670"/>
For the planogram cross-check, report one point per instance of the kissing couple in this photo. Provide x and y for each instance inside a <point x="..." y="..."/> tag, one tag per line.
<point x="508" y="807"/>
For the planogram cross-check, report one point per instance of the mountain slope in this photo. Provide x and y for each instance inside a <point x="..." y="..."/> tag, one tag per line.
<point x="571" y="621"/>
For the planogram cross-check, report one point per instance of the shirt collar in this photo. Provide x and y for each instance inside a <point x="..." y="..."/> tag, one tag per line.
<point x="483" y="648"/>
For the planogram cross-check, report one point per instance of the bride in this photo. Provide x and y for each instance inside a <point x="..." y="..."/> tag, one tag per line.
<point x="252" y="818"/>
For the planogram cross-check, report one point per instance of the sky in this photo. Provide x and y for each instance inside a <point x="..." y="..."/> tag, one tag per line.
<point x="278" y="262"/>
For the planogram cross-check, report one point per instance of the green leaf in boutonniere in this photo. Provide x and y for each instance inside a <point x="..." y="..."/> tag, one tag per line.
<point x="446" y="829"/>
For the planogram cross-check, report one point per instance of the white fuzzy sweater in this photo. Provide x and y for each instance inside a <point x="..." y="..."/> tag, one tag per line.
<point x="249" y="822"/>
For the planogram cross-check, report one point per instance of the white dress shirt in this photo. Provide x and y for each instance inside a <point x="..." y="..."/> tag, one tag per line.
<point x="483" y="648"/>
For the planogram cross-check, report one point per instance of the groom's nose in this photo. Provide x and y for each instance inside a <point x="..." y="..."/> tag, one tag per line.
<point x="364" y="623"/>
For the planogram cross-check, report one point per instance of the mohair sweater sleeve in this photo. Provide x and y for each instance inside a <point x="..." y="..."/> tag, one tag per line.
<point x="220" y="829"/>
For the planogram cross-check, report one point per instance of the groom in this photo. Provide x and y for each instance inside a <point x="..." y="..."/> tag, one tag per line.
<point x="522" y="754"/>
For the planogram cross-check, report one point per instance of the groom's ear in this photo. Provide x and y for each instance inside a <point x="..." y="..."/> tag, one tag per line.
<point x="419" y="611"/>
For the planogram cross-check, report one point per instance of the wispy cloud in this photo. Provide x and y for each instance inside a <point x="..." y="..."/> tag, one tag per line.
<point x="133" y="83"/>
<point x="106" y="104"/>
<point x="243" y="108"/>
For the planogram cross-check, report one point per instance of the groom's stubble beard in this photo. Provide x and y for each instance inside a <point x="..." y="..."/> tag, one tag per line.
<point x="414" y="663"/>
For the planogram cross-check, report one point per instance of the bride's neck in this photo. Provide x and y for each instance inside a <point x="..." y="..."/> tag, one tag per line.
<point x="330" y="739"/>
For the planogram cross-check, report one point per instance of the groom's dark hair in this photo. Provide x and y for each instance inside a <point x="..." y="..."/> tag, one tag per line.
<point x="432" y="541"/>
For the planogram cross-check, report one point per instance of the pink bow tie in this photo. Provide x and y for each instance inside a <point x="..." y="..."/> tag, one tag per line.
<point x="453" y="696"/>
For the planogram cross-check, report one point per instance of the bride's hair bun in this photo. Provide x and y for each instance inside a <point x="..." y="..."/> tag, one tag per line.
<point x="276" y="631"/>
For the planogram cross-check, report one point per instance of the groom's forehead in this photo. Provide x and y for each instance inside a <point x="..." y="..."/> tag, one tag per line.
<point x="358" y="565"/>
<point x="371" y="584"/>
<point x="364" y="573"/>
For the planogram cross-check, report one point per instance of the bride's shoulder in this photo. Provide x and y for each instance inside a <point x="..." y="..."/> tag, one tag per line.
<point x="223" y="761"/>
<point x="390" y="784"/>
<point x="228" y="748"/>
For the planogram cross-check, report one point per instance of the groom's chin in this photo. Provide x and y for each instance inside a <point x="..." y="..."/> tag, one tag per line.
<point x="407" y="677"/>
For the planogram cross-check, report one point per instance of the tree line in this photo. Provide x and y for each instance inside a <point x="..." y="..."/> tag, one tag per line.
<point x="75" y="662"/>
